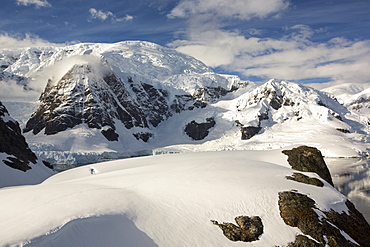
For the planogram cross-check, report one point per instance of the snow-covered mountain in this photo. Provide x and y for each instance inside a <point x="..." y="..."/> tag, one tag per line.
<point x="183" y="200"/>
<point x="104" y="101"/>
<point x="355" y="96"/>
<point x="18" y="164"/>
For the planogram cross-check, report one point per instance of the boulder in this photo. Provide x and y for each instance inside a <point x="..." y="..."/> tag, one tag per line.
<point x="301" y="178"/>
<point x="249" y="132"/>
<point x="198" y="131"/>
<point x="248" y="229"/>
<point x="308" y="159"/>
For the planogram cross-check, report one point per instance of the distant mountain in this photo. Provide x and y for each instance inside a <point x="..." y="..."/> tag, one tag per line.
<point x="105" y="101"/>
<point x="355" y="96"/>
<point x="16" y="158"/>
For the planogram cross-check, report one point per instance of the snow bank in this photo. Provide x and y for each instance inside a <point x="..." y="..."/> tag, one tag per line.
<point x="165" y="200"/>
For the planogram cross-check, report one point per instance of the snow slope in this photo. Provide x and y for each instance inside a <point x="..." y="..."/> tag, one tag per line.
<point x="289" y="114"/>
<point x="355" y="96"/>
<point x="166" y="200"/>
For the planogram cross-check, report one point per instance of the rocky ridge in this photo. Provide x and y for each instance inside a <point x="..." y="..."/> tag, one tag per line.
<point x="12" y="143"/>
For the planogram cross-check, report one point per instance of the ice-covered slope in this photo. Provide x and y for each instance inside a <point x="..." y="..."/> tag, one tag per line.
<point x="166" y="200"/>
<point x="143" y="61"/>
<point x="18" y="164"/>
<point x="274" y="115"/>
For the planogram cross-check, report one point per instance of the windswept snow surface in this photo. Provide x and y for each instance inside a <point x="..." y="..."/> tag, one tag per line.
<point x="165" y="200"/>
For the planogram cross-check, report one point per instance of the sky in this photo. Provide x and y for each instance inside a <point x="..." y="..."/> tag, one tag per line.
<point x="295" y="40"/>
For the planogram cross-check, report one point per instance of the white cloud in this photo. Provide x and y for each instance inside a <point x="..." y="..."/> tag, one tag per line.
<point x="17" y="41"/>
<point x="11" y="91"/>
<point x="239" y="9"/>
<point x="107" y="15"/>
<point x="37" y="3"/>
<point x="291" y="57"/>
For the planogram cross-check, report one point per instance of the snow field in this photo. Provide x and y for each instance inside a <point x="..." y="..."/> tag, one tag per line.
<point x="169" y="198"/>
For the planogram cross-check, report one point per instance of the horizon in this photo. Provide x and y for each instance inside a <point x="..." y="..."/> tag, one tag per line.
<point x="304" y="42"/>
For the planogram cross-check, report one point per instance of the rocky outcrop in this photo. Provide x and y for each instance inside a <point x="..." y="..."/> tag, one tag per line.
<point x="110" y="134"/>
<point x="249" y="132"/>
<point x="301" y="178"/>
<point x="198" y="131"/>
<point x="13" y="143"/>
<point x="186" y="102"/>
<point x="353" y="223"/>
<point x="83" y="97"/>
<point x="308" y="159"/>
<point x="144" y="136"/>
<point x="209" y="94"/>
<point x="86" y="96"/>
<point x="249" y="229"/>
<point x="329" y="229"/>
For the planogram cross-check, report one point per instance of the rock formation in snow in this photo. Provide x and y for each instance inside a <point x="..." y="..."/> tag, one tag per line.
<point x="13" y="144"/>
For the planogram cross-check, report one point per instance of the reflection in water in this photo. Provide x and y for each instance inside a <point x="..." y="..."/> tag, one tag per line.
<point x="352" y="178"/>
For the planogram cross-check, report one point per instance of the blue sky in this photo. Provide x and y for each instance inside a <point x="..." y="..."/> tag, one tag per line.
<point x="297" y="40"/>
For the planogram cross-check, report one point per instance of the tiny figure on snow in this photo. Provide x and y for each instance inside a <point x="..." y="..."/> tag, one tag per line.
<point x="92" y="170"/>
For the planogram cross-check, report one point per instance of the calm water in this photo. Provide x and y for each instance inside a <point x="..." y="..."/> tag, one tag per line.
<point x="352" y="178"/>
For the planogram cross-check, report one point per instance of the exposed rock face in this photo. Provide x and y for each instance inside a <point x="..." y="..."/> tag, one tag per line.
<point x="110" y="134"/>
<point x="210" y="94"/>
<point x="343" y="130"/>
<point x="248" y="230"/>
<point x="249" y="132"/>
<point x="84" y="96"/>
<point x="186" y="102"/>
<point x="308" y="159"/>
<point x="13" y="143"/>
<point x="144" y="136"/>
<point x="301" y="178"/>
<point x="298" y="210"/>
<point x="303" y="241"/>
<point x="354" y="224"/>
<point x="198" y="131"/>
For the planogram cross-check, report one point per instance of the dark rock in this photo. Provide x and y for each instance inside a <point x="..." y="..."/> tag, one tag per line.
<point x="276" y="100"/>
<point x="144" y="136"/>
<point x="248" y="230"/>
<point x="186" y="102"/>
<point x="198" y="131"/>
<point x="209" y="94"/>
<point x="110" y="134"/>
<point x="263" y="116"/>
<point x="354" y="224"/>
<point x="48" y="164"/>
<point x="298" y="210"/>
<point x="303" y="241"/>
<point x="152" y="102"/>
<point x="249" y="132"/>
<point x="13" y="143"/>
<point x="301" y="178"/>
<point x="308" y="159"/>
<point x="320" y="103"/>
<point x="343" y="130"/>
